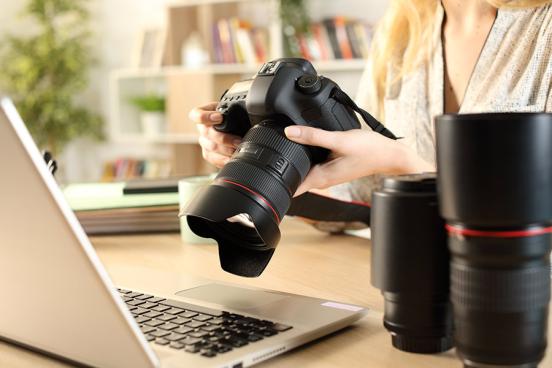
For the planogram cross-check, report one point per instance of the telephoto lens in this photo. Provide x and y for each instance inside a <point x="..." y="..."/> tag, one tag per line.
<point x="410" y="263"/>
<point x="495" y="193"/>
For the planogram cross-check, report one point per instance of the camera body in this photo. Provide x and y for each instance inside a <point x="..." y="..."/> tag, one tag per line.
<point x="243" y="207"/>
<point x="287" y="91"/>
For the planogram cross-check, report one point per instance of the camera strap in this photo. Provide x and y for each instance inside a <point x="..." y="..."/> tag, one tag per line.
<point x="372" y="122"/>
<point x="320" y="208"/>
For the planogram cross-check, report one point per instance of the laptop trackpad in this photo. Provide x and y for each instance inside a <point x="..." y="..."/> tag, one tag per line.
<point x="232" y="297"/>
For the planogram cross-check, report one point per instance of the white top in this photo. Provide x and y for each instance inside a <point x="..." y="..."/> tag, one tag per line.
<point x="513" y="73"/>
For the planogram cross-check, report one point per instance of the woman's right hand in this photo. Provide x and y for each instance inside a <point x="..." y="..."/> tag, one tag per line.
<point x="216" y="147"/>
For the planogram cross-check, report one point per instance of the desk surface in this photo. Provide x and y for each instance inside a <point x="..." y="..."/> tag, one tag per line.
<point x="306" y="262"/>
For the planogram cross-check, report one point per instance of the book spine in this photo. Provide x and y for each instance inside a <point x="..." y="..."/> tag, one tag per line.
<point x="353" y="40"/>
<point x="342" y="39"/>
<point x="329" y="24"/>
<point x="234" y="25"/>
<point x="217" y="45"/>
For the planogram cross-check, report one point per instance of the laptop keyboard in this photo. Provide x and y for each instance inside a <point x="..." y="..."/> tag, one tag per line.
<point x="195" y="329"/>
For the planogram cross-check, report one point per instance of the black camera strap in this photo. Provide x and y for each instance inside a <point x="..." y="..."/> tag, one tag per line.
<point x="372" y="122"/>
<point x="320" y="208"/>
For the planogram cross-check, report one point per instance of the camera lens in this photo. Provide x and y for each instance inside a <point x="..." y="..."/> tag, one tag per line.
<point x="249" y="197"/>
<point x="495" y="192"/>
<point x="410" y="263"/>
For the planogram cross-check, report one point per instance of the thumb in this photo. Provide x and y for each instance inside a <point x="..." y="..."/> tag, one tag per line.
<point x="313" y="136"/>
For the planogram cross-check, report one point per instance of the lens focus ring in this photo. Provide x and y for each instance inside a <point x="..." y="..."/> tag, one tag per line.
<point x="500" y="291"/>
<point x="275" y="140"/>
<point x="259" y="181"/>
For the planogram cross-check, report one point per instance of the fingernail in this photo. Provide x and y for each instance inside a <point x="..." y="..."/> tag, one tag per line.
<point x="293" y="131"/>
<point x="215" y="117"/>
<point x="236" y="142"/>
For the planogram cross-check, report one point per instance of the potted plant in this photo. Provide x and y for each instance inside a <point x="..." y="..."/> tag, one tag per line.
<point x="46" y="71"/>
<point x="152" y="114"/>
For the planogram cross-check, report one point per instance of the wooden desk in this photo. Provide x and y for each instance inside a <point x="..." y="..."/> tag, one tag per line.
<point x="306" y="262"/>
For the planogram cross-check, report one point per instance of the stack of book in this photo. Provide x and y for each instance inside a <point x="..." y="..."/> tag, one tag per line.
<point x="237" y="41"/>
<point x="332" y="39"/>
<point x="103" y="208"/>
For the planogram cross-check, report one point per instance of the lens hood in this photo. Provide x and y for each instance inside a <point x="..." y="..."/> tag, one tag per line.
<point x="495" y="168"/>
<point x="243" y="250"/>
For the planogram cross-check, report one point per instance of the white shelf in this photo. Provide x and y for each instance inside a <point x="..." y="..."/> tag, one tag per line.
<point x="355" y="65"/>
<point x="136" y="138"/>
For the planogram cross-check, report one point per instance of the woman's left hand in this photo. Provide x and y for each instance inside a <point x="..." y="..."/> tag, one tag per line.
<point x="354" y="154"/>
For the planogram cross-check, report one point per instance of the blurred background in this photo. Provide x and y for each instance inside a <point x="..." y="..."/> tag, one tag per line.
<point x="106" y="85"/>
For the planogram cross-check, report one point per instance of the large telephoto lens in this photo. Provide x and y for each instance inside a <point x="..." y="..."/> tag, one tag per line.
<point x="495" y="192"/>
<point x="249" y="197"/>
<point x="410" y="263"/>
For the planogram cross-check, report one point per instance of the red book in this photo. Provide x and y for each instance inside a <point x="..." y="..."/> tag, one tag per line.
<point x="342" y="39"/>
<point x="322" y="40"/>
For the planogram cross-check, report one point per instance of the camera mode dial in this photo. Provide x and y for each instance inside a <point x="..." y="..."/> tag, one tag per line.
<point x="309" y="84"/>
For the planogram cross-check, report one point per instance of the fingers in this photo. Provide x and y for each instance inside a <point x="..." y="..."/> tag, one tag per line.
<point x="314" y="137"/>
<point x="217" y="137"/>
<point x="326" y="175"/>
<point x="215" y="158"/>
<point x="212" y="146"/>
<point x="206" y="114"/>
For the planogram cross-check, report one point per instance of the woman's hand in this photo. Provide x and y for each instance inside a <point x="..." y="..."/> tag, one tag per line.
<point x="355" y="154"/>
<point x="216" y="147"/>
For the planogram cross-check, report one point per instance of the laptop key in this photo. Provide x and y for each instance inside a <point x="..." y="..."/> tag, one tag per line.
<point x="154" y="323"/>
<point x="180" y="320"/>
<point x="202" y="318"/>
<point x="161" y="341"/>
<point x="161" y="308"/>
<point x="183" y="330"/>
<point x="166" y="317"/>
<point x="192" y="307"/>
<point x="176" y="345"/>
<point x="144" y="297"/>
<point x="192" y="349"/>
<point x="190" y="341"/>
<point x="123" y="291"/>
<point x="174" y="311"/>
<point x="155" y="300"/>
<point x="195" y="324"/>
<point x="135" y="302"/>
<point x="188" y="314"/>
<point x="126" y="299"/>
<point x="147" y="329"/>
<point x="216" y="321"/>
<point x="208" y="353"/>
<point x="152" y="314"/>
<point x="148" y="305"/>
<point x="133" y="294"/>
<point x="198" y="334"/>
<point x="210" y="328"/>
<point x="174" y="337"/>
<point x="160" y="333"/>
<point x="254" y="338"/>
<point x="149" y="337"/>
<point x="141" y="319"/>
<point x="139" y="310"/>
<point x="168" y="326"/>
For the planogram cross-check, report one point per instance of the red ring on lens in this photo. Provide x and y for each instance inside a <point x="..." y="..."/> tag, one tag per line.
<point x="256" y="194"/>
<point x="455" y="230"/>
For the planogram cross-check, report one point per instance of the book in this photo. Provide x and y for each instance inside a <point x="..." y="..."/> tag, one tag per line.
<point x="342" y="38"/>
<point x="102" y="208"/>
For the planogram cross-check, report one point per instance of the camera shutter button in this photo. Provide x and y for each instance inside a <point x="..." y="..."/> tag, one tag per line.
<point x="309" y="84"/>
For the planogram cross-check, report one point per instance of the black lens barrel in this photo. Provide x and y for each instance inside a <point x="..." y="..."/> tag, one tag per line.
<point x="410" y="263"/>
<point x="495" y="192"/>
<point x="268" y="164"/>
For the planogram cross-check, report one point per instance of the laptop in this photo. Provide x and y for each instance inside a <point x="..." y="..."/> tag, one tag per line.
<point x="58" y="299"/>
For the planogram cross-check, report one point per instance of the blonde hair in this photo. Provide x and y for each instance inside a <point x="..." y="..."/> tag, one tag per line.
<point x="403" y="38"/>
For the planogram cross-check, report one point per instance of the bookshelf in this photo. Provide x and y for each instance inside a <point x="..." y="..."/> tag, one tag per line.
<point x="187" y="87"/>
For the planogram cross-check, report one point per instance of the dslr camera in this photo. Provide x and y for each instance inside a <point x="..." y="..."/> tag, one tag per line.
<point x="244" y="206"/>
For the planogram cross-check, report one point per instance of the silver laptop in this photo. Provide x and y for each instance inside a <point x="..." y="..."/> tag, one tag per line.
<point x="58" y="299"/>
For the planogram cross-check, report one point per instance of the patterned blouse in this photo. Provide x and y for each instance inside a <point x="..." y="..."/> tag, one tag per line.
<point x="513" y="73"/>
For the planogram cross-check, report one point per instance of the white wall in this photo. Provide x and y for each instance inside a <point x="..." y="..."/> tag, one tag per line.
<point x="116" y="24"/>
